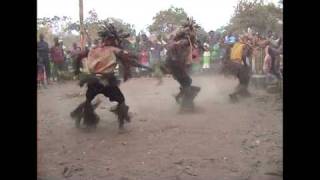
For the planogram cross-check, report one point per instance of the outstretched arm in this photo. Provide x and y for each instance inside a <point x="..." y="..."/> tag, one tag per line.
<point x="127" y="60"/>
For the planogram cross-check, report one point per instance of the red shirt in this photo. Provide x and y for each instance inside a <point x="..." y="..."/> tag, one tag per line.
<point x="57" y="54"/>
<point x="143" y="58"/>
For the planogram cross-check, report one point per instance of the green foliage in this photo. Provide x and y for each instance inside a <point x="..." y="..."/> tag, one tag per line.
<point x="167" y="20"/>
<point x="256" y="14"/>
<point x="63" y="26"/>
<point x="202" y="35"/>
<point x="92" y="25"/>
<point x="221" y="29"/>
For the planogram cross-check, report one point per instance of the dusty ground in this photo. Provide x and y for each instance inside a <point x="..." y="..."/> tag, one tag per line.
<point x="220" y="141"/>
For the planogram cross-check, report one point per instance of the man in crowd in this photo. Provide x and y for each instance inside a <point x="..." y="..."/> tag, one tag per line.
<point x="230" y="38"/>
<point x="271" y="61"/>
<point x="43" y="52"/>
<point x="155" y="57"/>
<point x="75" y="51"/>
<point x="57" y="56"/>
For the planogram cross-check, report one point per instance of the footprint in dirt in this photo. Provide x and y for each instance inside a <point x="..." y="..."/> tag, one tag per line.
<point x="68" y="172"/>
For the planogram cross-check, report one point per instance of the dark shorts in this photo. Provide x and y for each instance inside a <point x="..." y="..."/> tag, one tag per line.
<point x="240" y="71"/>
<point x="108" y="86"/>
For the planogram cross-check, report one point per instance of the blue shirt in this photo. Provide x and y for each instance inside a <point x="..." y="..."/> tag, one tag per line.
<point x="231" y="40"/>
<point x="43" y="50"/>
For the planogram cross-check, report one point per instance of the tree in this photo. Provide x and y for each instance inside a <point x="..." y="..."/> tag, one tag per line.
<point x="92" y="25"/>
<point x="256" y="15"/>
<point x="55" y="26"/>
<point x="202" y="36"/>
<point x="46" y="31"/>
<point x="45" y="26"/>
<point x="221" y="29"/>
<point x="166" y="21"/>
<point x="63" y="27"/>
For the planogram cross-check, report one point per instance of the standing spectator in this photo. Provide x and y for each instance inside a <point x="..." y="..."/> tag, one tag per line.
<point x="75" y="51"/>
<point x="196" y="58"/>
<point x="277" y="40"/>
<point x="267" y="65"/>
<point x="155" y="57"/>
<point x="270" y="67"/>
<point x="43" y="51"/>
<point x="275" y="63"/>
<point x="145" y="42"/>
<point x="133" y="47"/>
<point x="163" y="53"/>
<point x="269" y="35"/>
<point x="226" y="38"/>
<point x="41" y="75"/>
<point x="131" y="44"/>
<point x="215" y="52"/>
<point x="223" y="49"/>
<point x="230" y="39"/>
<point x="64" y="55"/>
<point x="217" y="37"/>
<point x="144" y="60"/>
<point x="57" y="57"/>
<point x="206" y="57"/>
<point x="212" y="38"/>
<point x="155" y="49"/>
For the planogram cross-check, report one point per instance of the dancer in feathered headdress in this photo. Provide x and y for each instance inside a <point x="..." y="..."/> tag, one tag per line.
<point x="102" y="61"/>
<point x="179" y="58"/>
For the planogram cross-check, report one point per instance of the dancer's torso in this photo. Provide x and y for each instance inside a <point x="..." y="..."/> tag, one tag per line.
<point x="102" y="60"/>
<point x="180" y="51"/>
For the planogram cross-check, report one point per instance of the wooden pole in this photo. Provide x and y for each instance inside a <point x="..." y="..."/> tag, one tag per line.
<point x="82" y="38"/>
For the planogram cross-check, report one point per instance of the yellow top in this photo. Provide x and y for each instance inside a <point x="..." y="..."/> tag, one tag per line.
<point x="236" y="52"/>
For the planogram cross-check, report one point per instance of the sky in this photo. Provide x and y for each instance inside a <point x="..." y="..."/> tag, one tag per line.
<point x="210" y="14"/>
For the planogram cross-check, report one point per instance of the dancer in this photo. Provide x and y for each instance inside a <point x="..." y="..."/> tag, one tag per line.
<point x="102" y="62"/>
<point x="236" y="64"/>
<point x="179" y="59"/>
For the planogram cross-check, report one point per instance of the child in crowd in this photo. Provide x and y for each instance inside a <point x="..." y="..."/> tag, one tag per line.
<point x="206" y="57"/>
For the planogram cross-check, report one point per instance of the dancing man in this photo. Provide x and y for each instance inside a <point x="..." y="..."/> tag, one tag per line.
<point x="102" y="62"/>
<point x="237" y="65"/>
<point x="179" y="59"/>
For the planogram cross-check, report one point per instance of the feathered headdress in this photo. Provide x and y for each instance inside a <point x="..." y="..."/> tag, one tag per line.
<point x="190" y="24"/>
<point x="188" y="28"/>
<point x="109" y="31"/>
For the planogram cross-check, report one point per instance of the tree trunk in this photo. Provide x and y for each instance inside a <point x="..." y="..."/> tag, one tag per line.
<point x="82" y="38"/>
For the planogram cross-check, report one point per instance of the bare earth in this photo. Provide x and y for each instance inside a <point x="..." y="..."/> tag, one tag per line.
<point x="219" y="141"/>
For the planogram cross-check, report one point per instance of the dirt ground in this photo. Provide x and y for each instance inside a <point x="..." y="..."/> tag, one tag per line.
<point x="219" y="141"/>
